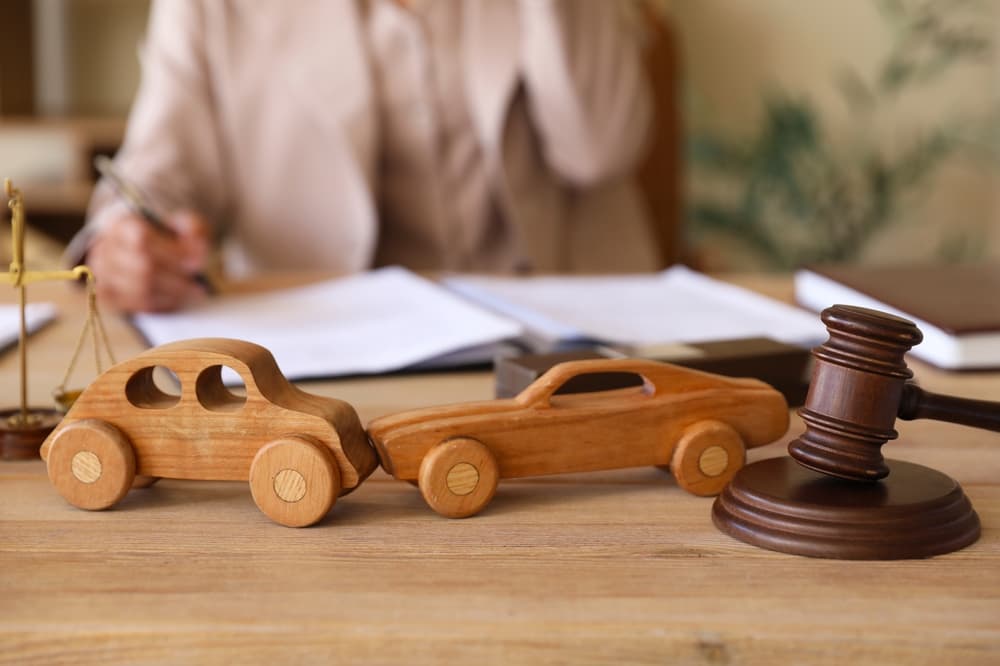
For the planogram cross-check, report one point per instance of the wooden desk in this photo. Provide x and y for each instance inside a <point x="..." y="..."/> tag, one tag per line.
<point x="602" y="568"/>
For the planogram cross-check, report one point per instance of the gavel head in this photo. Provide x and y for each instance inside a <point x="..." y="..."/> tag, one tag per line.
<point x="855" y="393"/>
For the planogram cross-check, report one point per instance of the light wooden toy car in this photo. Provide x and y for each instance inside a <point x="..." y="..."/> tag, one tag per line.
<point x="299" y="451"/>
<point x="697" y="423"/>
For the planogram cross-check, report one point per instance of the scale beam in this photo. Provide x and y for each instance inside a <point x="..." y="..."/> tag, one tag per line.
<point x="19" y="277"/>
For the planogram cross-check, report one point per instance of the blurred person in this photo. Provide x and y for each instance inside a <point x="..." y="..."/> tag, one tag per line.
<point x="338" y="135"/>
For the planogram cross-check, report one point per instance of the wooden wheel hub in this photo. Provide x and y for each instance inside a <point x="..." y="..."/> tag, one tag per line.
<point x="713" y="461"/>
<point x="86" y="466"/>
<point x="706" y="457"/>
<point x="458" y="477"/>
<point x="92" y="464"/>
<point x="294" y="481"/>
<point x="463" y="478"/>
<point x="289" y="485"/>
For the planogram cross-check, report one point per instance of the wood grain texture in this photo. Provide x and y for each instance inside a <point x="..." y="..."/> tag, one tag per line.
<point x="860" y="385"/>
<point x="91" y="464"/>
<point x="294" y="481"/>
<point x="783" y="366"/>
<point x="915" y="512"/>
<point x="608" y="567"/>
<point x="201" y="430"/>
<point x="707" y="457"/>
<point x="458" y="477"/>
<point x="855" y="393"/>
<point x="542" y="432"/>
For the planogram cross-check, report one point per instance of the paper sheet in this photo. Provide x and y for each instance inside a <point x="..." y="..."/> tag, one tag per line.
<point x="36" y="315"/>
<point x="385" y="320"/>
<point x="677" y="305"/>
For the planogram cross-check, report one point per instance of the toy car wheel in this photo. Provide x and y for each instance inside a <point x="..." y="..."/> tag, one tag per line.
<point x="458" y="477"/>
<point x="294" y="481"/>
<point x="707" y="456"/>
<point x="92" y="464"/>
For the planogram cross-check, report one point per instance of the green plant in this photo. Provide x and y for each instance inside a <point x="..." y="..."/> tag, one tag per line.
<point x="794" y="195"/>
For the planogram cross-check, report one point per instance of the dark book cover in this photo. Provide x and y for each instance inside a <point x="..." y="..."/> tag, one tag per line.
<point x="959" y="299"/>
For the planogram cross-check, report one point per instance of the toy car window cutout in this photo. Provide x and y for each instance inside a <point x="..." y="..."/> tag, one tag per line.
<point x="153" y="387"/>
<point x="599" y="381"/>
<point x="587" y="388"/>
<point x="220" y="389"/>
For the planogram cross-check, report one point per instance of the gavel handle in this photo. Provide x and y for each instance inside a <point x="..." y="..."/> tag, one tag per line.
<point x="920" y="404"/>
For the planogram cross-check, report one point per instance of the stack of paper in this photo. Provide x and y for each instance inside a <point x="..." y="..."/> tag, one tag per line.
<point x="392" y="319"/>
<point x="373" y="322"/>
<point x="36" y="316"/>
<point x="677" y="305"/>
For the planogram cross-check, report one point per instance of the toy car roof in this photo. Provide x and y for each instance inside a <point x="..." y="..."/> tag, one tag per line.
<point x="249" y="353"/>
<point x="662" y="374"/>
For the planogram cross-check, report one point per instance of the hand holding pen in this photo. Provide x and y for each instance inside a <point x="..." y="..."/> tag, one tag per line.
<point x="146" y="260"/>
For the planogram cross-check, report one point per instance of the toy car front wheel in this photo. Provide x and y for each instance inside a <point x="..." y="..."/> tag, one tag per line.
<point x="707" y="457"/>
<point x="92" y="464"/>
<point x="458" y="477"/>
<point x="294" y="481"/>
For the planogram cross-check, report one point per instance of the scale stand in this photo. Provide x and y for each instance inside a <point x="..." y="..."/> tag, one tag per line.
<point x="23" y="428"/>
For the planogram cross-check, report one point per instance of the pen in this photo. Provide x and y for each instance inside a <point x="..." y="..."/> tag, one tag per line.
<point x="138" y="204"/>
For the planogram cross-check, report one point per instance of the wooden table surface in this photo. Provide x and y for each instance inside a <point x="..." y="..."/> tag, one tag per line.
<point x="616" y="567"/>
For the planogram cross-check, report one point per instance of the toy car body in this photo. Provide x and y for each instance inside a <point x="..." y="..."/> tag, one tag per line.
<point x="299" y="451"/>
<point x="697" y="423"/>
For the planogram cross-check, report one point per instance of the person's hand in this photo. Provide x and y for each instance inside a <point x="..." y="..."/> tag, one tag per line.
<point x="142" y="269"/>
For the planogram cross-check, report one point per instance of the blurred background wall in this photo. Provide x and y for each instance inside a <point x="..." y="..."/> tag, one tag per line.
<point x="103" y="54"/>
<point x="855" y="130"/>
<point x="87" y="55"/>
<point x="68" y="72"/>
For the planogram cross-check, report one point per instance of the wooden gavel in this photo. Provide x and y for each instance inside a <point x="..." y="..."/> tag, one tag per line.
<point x="860" y="384"/>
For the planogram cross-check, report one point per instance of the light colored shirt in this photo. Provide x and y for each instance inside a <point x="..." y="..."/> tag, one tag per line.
<point x="280" y="127"/>
<point x="434" y="196"/>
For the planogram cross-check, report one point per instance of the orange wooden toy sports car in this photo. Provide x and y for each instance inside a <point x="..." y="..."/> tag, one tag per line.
<point x="697" y="423"/>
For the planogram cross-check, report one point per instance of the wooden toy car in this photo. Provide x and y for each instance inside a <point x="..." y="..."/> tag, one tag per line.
<point x="697" y="423"/>
<point x="299" y="451"/>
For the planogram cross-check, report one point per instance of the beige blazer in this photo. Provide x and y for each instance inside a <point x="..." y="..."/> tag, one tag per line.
<point x="260" y="114"/>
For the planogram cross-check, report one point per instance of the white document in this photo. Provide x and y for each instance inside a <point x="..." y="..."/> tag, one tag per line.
<point x="384" y="320"/>
<point x="36" y="315"/>
<point x="676" y="305"/>
<point x="391" y="319"/>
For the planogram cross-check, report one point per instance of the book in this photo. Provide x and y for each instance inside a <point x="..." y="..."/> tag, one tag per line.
<point x="957" y="307"/>
<point x="391" y="319"/>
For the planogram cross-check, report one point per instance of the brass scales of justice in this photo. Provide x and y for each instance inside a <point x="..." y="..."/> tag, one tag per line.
<point x="23" y="428"/>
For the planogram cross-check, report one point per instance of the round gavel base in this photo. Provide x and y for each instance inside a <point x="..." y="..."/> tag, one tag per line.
<point x="780" y="505"/>
<point x="20" y="442"/>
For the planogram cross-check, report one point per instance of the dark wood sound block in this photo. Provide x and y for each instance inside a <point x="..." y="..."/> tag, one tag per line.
<point x="780" y="505"/>
<point x="23" y="442"/>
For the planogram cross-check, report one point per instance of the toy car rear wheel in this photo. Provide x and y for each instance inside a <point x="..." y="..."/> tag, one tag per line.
<point x="707" y="457"/>
<point x="458" y="477"/>
<point x="294" y="481"/>
<point x="92" y="464"/>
